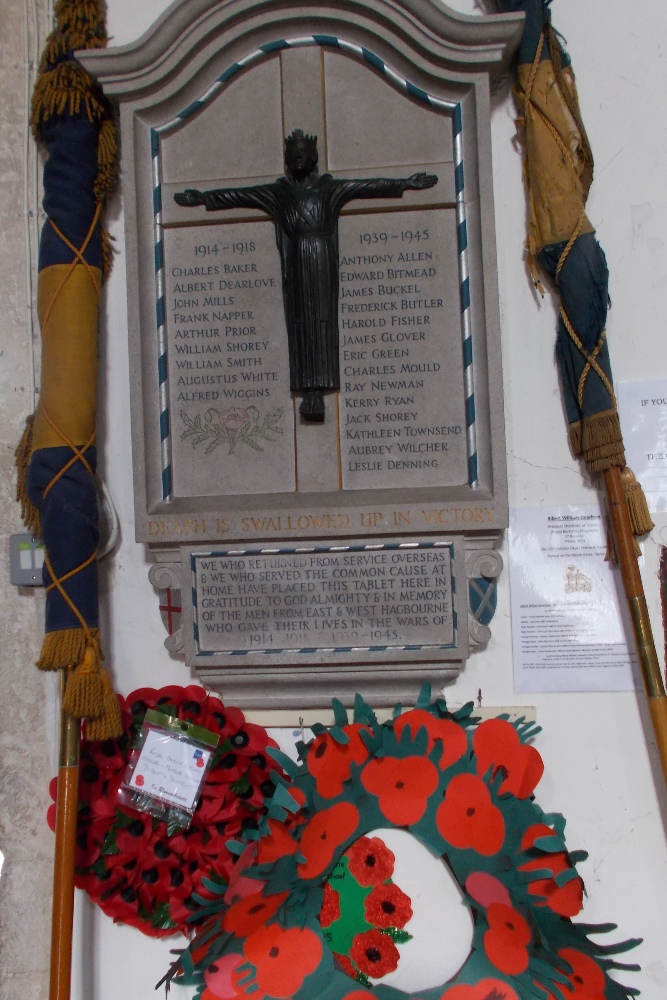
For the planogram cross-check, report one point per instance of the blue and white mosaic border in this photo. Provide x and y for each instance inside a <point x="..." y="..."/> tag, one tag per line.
<point x="329" y="41"/>
<point x="314" y="550"/>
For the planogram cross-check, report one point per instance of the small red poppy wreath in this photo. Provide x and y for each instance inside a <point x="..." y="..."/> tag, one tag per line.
<point x="129" y="863"/>
<point x="466" y="792"/>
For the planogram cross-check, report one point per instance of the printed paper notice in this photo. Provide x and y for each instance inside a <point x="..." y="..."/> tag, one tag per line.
<point x="567" y="629"/>
<point x="643" y="410"/>
<point x="170" y="769"/>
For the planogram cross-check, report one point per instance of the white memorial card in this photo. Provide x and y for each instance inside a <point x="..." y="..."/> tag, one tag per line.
<point x="642" y="407"/>
<point x="170" y="769"/>
<point x="567" y="628"/>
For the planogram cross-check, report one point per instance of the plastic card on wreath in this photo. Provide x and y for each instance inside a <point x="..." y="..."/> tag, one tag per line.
<point x="167" y="767"/>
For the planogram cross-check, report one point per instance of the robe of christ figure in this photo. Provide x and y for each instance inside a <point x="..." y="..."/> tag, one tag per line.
<point x="305" y="208"/>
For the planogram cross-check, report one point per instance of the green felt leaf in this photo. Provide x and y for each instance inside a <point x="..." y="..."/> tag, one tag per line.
<point x="340" y="712"/>
<point x="424" y="698"/>
<point x="551" y="843"/>
<point x="283" y="797"/>
<point x="562" y="878"/>
<point x="288" y="765"/>
<point x="363" y="713"/>
<point x="339" y="736"/>
<point x="577" y="856"/>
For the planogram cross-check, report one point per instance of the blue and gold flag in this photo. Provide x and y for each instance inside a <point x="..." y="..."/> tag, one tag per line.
<point x="56" y="458"/>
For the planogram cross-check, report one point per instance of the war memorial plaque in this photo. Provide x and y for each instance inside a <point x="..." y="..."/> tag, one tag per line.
<point x="317" y="414"/>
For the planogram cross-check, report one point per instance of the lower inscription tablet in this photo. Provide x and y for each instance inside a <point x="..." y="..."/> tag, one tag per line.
<point x="334" y="598"/>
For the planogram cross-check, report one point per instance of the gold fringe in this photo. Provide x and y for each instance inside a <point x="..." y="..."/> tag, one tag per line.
<point x="109" y="725"/>
<point x="574" y="435"/>
<point x="66" y="647"/>
<point x="107" y="160"/>
<point x="64" y="89"/>
<point x="107" y="252"/>
<point x="29" y="513"/>
<point x="84" y="695"/>
<point x="79" y="25"/>
<point x="640" y="518"/>
<point x="598" y="440"/>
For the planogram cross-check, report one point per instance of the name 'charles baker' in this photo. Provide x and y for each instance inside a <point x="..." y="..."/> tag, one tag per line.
<point x="305" y="207"/>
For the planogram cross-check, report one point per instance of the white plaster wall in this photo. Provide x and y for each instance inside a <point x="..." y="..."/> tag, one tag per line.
<point x="598" y="772"/>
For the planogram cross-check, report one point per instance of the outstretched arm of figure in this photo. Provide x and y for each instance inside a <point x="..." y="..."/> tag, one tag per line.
<point x="260" y="196"/>
<point x="384" y="187"/>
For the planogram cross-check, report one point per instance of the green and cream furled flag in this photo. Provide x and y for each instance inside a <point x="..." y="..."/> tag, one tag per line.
<point x="558" y="172"/>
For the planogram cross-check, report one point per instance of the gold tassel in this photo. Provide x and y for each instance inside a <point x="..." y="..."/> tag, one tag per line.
<point x="84" y="695"/>
<point x="67" y="646"/>
<point x="640" y="518"/>
<point x="63" y="89"/>
<point x="598" y="440"/>
<point x="29" y="513"/>
<point x="107" y="157"/>
<point x="109" y="725"/>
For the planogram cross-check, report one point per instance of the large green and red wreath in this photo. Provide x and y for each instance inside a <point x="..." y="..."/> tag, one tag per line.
<point x="132" y="866"/>
<point x="465" y="792"/>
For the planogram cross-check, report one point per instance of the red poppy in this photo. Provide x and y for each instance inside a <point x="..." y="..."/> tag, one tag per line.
<point x="222" y="980"/>
<point x="587" y="979"/>
<point x="325" y="832"/>
<point x="506" y="939"/>
<point x="486" y="889"/>
<point x="133" y="839"/>
<point x="329" y="761"/>
<point x="370" y="861"/>
<point x="497" y="744"/>
<point x="359" y="995"/>
<point x="283" y="958"/>
<point x="387" y="906"/>
<point x="277" y="843"/>
<point x="330" y="908"/>
<point x="452" y="736"/>
<point x="402" y="786"/>
<point x="485" y="989"/>
<point x="468" y="818"/>
<point x="374" y="953"/>
<point x="566" y="900"/>
<point x="250" y="913"/>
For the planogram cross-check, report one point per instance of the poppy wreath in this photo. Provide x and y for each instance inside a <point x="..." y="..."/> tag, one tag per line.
<point x="136" y="869"/>
<point x="463" y="791"/>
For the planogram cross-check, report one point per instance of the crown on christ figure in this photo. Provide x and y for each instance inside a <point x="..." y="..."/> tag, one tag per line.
<point x="297" y="136"/>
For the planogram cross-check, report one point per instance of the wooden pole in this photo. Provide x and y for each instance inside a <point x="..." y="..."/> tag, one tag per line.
<point x="641" y="624"/>
<point x="63" y="865"/>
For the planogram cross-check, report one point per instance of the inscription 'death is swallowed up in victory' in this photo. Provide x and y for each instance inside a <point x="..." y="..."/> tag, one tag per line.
<point x="400" y="409"/>
<point x="387" y="596"/>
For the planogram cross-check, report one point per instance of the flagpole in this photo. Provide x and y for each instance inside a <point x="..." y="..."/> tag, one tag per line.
<point x="641" y="624"/>
<point x="63" y="865"/>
